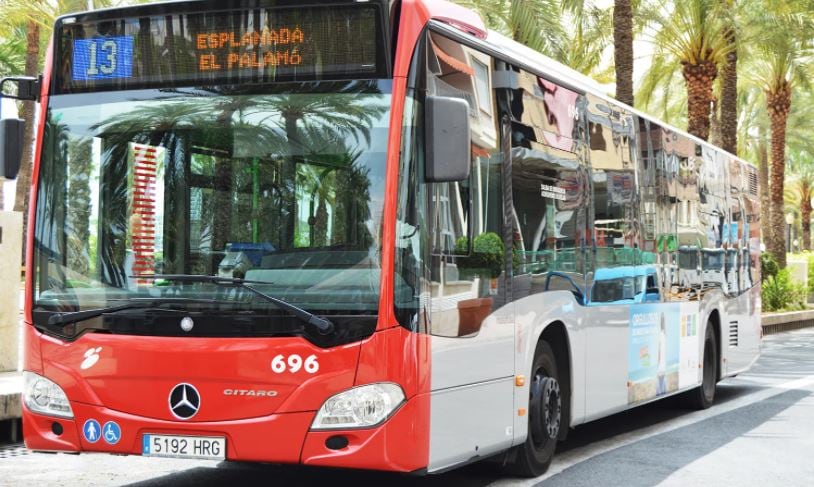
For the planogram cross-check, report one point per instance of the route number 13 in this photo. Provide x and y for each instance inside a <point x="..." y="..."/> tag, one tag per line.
<point x="107" y="50"/>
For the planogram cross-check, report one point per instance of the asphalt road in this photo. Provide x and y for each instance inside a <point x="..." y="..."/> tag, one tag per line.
<point x="760" y="432"/>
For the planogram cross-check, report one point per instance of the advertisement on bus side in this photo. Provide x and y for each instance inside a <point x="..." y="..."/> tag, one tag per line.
<point x="663" y="341"/>
<point x="653" y="351"/>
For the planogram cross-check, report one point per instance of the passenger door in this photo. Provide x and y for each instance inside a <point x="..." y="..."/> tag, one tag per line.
<point x="472" y="373"/>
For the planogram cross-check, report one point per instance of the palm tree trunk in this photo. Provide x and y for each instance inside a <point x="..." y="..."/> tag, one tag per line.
<point x="321" y="223"/>
<point x="805" y="213"/>
<point x="289" y="177"/>
<point x="778" y="103"/>
<point x="623" y="50"/>
<point x="714" y="124"/>
<point x="699" y="78"/>
<point x="763" y="174"/>
<point x="729" y="96"/>
<point x="32" y="59"/>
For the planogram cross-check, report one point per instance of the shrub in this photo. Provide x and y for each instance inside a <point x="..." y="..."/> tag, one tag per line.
<point x="487" y="253"/>
<point x="781" y="293"/>
<point x="810" y="260"/>
<point x="462" y="245"/>
<point x="768" y="266"/>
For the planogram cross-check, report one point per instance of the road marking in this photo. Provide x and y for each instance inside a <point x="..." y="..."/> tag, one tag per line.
<point x="568" y="459"/>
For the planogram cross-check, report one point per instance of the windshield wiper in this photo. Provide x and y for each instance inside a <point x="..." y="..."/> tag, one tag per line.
<point x="324" y="326"/>
<point x="77" y="316"/>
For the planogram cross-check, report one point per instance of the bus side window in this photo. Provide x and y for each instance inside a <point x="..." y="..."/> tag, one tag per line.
<point x="549" y="188"/>
<point x="713" y="220"/>
<point x="752" y="231"/>
<point x="616" y="236"/>
<point x="688" y="162"/>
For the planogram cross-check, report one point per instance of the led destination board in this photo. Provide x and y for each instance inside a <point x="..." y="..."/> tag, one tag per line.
<point x="221" y="47"/>
<point x="250" y="50"/>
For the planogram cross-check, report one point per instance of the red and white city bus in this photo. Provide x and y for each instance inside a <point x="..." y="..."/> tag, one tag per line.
<point x="363" y="234"/>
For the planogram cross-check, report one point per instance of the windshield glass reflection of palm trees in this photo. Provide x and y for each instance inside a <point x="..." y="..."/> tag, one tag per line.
<point x="282" y="188"/>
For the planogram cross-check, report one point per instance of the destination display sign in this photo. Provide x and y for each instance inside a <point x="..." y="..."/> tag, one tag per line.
<point x="232" y="47"/>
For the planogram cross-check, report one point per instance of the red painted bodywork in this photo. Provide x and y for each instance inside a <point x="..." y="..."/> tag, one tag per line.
<point x="132" y="379"/>
<point x="147" y="368"/>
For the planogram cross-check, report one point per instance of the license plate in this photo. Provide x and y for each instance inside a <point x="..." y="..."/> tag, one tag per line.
<point x="201" y="447"/>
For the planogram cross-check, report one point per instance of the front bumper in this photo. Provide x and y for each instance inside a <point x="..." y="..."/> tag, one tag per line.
<point x="278" y="438"/>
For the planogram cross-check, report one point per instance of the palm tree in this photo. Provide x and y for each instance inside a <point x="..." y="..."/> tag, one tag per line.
<point x="12" y="50"/>
<point x="535" y="23"/>
<point x="691" y="35"/>
<point x="623" y="49"/>
<point x="766" y="228"/>
<point x="729" y="84"/>
<point x="567" y="31"/>
<point x="782" y="65"/>
<point x="754" y="140"/>
<point x="582" y="46"/>
<point x="661" y="90"/>
<point x="32" y="63"/>
<point x="799" y="192"/>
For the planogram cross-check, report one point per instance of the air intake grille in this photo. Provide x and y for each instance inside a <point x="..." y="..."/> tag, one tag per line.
<point x="733" y="334"/>
<point x="753" y="181"/>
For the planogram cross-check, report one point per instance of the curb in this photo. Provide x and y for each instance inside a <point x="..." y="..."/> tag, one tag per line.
<point x="787" y="321"/>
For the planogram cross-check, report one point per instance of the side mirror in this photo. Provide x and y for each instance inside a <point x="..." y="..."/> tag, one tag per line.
<point x="448" y="153"/>
<point x="11" y="147"/>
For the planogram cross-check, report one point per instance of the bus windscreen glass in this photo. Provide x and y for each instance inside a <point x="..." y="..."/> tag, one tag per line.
<point x="216" y="48"/>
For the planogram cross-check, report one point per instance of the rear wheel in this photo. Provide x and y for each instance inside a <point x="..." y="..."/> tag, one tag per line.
<point x="703" y="396"/>
<point x="533" y="457"/>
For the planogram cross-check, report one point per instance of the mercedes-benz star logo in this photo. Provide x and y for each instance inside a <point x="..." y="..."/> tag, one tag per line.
<point x="185" y="401"/>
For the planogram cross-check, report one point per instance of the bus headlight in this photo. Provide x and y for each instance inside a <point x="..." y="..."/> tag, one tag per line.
<point x="45" y="397"/>
<point x="360" y="407"/>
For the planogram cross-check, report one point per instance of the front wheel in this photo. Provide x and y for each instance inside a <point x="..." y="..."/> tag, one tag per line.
<point x="532" y="458"/>
<point x="703" y="396"/>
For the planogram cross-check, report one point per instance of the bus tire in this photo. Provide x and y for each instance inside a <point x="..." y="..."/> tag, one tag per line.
<point x="532" y="458"/>
<point x="703" y="396"/>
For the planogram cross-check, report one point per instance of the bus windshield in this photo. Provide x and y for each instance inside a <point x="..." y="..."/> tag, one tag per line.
<point x="283" y="186"/>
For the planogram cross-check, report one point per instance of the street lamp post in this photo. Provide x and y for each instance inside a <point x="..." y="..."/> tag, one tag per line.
<point x="789" y="223"/>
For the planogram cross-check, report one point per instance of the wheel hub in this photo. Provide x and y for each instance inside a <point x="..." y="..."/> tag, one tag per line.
<point x="552" y="407"/>
<point x="546" y="409"/>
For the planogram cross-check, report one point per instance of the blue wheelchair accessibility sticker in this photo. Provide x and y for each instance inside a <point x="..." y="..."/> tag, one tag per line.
<point x="112" y="433"/>
<point x="91" y="430"/>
